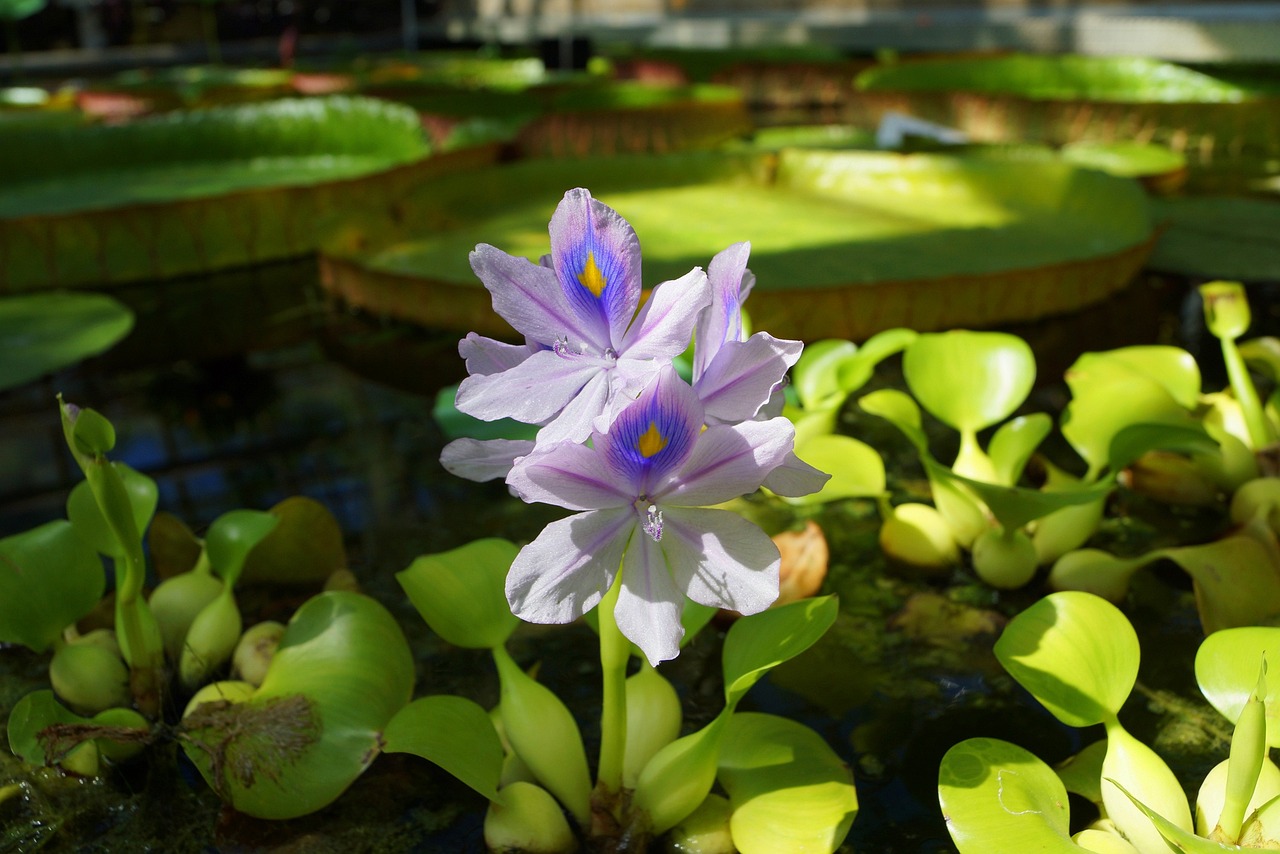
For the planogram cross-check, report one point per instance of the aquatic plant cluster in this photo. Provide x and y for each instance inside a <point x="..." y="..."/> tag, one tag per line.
<point x="647" y="440"/>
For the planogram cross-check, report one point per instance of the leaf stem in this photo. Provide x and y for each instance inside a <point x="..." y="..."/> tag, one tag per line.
<point x="615" y="652"/>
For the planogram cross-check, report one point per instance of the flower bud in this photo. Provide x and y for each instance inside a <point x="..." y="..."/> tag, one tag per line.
<point x="919" y="536"/>
<point x="706" y="831"/>
<point x="228" y="691"/>
<point x="210" y="641"/>
<point x="89" y="677"/>
<point x="527" y="819"/>
<point x="255" y="650"/>
<point x="175" y="604"/>
<point x="1004" y="558"/>
<point x="653" y="720"/>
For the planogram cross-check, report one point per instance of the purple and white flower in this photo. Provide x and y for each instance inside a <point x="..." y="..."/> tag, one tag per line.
<point x="642" y="489"/>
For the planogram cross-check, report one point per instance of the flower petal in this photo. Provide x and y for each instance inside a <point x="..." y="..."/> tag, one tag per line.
<point x="720" y="559"/>
<point x="568" y="475"/>
<point x="664" y="326"/>
<point x="742" y="376"/>
<point x="487" y="356"/>
<point x="729" y="461"/>
<point x="596" y="257"/>
<point x="574" y="422"/>
<point x="481" y="460"/>
<point x="795" y="478"/>
<point x="532" y="391"/>
<point x="563" y="573"/>
<point x="649" y="603"/>
<point x="652" y="436"/>
<point x="529" y="298"/>
<point x="721" y="321"/>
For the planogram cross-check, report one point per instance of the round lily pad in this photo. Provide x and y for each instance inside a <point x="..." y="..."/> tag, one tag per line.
<point x="1219" y="237"/>
<point x="40" y="333"/>
<point x="196" y="191"/>
<point x="843" y="243"/>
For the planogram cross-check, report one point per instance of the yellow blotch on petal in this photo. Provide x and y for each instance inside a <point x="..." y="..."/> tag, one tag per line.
<point x="591" y="278"/>
<point x="652" y="441"/>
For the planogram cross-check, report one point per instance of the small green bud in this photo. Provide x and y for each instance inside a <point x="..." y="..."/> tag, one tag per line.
<point x="706" y="831"/>
<point x="653" y="720"/>
<point x="89" y="677"/>
<point x="1255" y="495"/>
<point x="527" y="819"/>
<point x="177" y="601"/>
<point x="211" y="640"/>
<point x="678" y="779"/>
<point x="119" y="751"/>
<point x="1004" y="558"/>
<point x="82" y="759"/>
<point x="92" y="433"/>
<point x="919" y="536"/>
<point x="228" y="690"/>
<point x="255" y="650"/>
<point x="1065" y="529"/>
<point x="1095" y="571"/>
<point x="1226" y="309"/>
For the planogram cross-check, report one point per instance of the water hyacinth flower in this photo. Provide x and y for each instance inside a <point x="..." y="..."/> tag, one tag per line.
<point x="591" y="346"/>
<point x="642" y="489"/>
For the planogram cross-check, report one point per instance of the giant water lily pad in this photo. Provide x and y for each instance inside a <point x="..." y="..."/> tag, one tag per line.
<point x="1062" y="99"/>
<point x="843" y="243"/>
<point x="1219" y="237"/>
<point x="40" y="333"/>
<point x="198" y="191"/>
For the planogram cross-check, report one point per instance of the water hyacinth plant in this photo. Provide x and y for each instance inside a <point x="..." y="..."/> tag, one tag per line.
<point x="639" y="455"/>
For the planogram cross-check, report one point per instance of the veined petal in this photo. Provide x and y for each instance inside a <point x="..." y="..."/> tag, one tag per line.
<point x="664" y="326"/>
<point x="532" y="391"/>
<point x="568" y="475"/>
<point x="795" y="478"/>
<point x="529" y="298"/>
<point x="481" y="460"/>
<point x="649" y="603"/>
<point x="651" y="437"/>
<point x="720" y="559"/>
<point x="487" y="356"/>
<point x="742" y="376"/>
<point x="721" y="321"/>
<point x="596" y="257"/>
<point x="728" y="461"/>
<point x="574" y="423"/>
<point x="563" y="573"/>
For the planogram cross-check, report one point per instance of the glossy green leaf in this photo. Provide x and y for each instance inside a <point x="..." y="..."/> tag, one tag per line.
<point x="856" y="469"/>
<point x="49" y="578"/>
<point x="1015" y="506"/>
<point x="40" y="333"/>
<point x="1082" y="773"/>
<point x="454" y="733"/>
<point x="1131" y="768"/>
<point x="1098" y="572"/>
<point x="86" y="516"/>
<point x="1219" y="237"/>
<point x="760" y="642"/>
<point x="1014" y="443"/>
<point x="232" y="536"/>
<point x="1211" y="797"/>
<point x="679" y="777"/>
<point x="341" y="672"/>
<point x="462" y="593"/>
<point x="788" y="789"/>
<point x="1227" y="668"/>
<point x="1176" y="838"/>
<point x="31" y="714"/>
<point x="816" y="375"/>
<point x="900" y="410"/>
<point x="1098" y="411"/>
<point x="1173" y="368"/>
<point x="1076" y="653"/>
<point x="995" y="794"/>
<point x="306" y="547"/>
<point x="1246" y="594"/>
<point x="969" y="380"/>
<point x="1131" y="442"/>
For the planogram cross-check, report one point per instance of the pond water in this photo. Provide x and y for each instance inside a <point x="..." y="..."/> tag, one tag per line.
<point x="906" y="672"/>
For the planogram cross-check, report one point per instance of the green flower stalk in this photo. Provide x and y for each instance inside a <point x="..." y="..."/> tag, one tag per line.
<point x="1226" y="313"/>
<point x="615" y="652"/>
<point x="90" y="436"/>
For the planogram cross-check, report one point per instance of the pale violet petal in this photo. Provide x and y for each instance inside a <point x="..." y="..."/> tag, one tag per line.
<point x="563" y="573"/>
<point x="795" y="478"/>
<point x="653" y="436"/>
<point x="664" y="325"/>
<point x="481" y="460"/>
<point x="596" y="257"/>
<point x="574" y="422"/>
<point x="529" y="298"/>
<point x="629" y="378"/>
<point x="568" y="475"/>
<point x="729" y="461"/>
<point x="487" y="356"/>
<point x="532" y="391"/>
<point x="649" y="603"/>
<point x="720" y="559"/>
<point x="742" y="376"/>
<point x="721" y="321"/>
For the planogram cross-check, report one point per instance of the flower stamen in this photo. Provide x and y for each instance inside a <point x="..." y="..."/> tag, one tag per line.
<point x="652" y="524"/>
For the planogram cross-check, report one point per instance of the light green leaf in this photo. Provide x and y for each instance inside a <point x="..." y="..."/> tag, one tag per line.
<point x="49" y="578"/>
<point x="461" y="593"/>
<point x="788" y="789"/>
<point x="1173" y="368"/>
<point x="760" y="642"/>
<point x="816" y="375"/>
<point x="33" y="713"/>
<point x="996" y="795"/>
<point x="305" y="548"/>
<point x="1015" y="442"/>
<point x="679" y="776"/>
<point x="86" y="516"/>
<point x="969" y="380"/>
<point x="1227" y="668"/>
<point x="1130" y="766"/>
<point x="1219" y="237"/>
<point x="1246" y="595"/>
<point x="454" y="733"/>
<point x="856" y="469"/>
<point x="341" y="672"/>
<point x="1082" y="773"/>
<point x="1076" y="654"/>
<point x="901" y="411"/>
<point x="40" y="333"/>
<point x="1134" y="440"/>
<point x="1015" y="506"/>
<point x="1177" y="838"/>
<point x="232" y="536"/>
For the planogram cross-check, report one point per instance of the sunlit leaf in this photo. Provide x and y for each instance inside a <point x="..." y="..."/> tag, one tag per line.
<point x="232" y="536"/>
<point x="969" y="380"/>
<point x="1014" y="443"/>
<point x="1227" y="671"/>
<point x="86" y="516"/>
<point x="461" y="593"/>
<point x="454" y="733"/>
<point x="760" y="642"/>
<point x="856" y="469"/>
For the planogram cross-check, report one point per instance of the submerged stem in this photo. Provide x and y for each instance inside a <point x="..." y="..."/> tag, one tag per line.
<point x="615" y="652"/>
